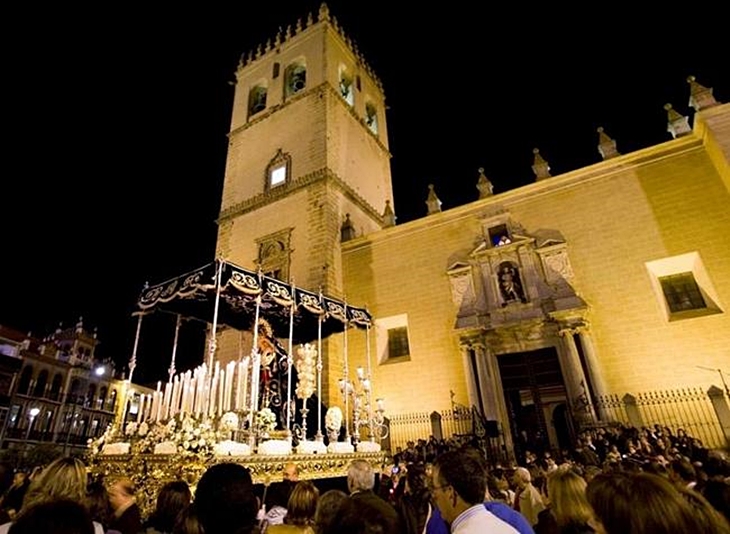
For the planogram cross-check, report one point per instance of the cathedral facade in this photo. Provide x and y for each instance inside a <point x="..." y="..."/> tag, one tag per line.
<point x="530" y="304"/>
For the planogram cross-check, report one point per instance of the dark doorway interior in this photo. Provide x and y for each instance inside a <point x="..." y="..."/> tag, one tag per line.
<point x="532" y="381"/>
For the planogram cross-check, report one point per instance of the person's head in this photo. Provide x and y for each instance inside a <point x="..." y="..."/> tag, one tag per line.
<point x="327" y="507"/>
<point x="278" y="494"/>
<point x="97" y="501"/>
<point x="567" y="493"/>
<point x="172" y="498"/>
<point x="459" y="481"/>
<point x="56" y="516"/>
<point x="291" y="472"/>
<point x="643" y="503"/>
<point x="416" y="482"/>
<point x="63" y="478"/>
<point x="521" y="478"/>
<point x="364" y="516"/>
<point x="121" y="493"/>
<point x="302" y="504"/>
<point x="360" y="476"/>
<point x="224" y="499"/>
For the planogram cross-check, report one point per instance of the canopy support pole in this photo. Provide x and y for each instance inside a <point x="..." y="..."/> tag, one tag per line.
<point x="132" y="365"/>
<point x="289" y="363"/>
<point x="319" y="436"/>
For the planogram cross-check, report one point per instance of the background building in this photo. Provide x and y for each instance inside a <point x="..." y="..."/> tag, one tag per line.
<point x="55" y="393"/>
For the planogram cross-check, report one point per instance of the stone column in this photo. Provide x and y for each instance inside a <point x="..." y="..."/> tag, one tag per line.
<point x="574" y="377"/>
<point x="594" y="371"/>
<point x="486" y="382"/>
<point x="471" y="388"/>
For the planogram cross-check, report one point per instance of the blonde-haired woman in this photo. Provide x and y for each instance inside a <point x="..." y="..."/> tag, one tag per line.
<point x="300" y="510"/>
<point x="63" y="479"/>
<point x="569" y="511"/>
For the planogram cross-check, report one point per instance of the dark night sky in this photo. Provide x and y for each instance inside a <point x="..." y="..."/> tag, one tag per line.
<point x="115" y="127"/>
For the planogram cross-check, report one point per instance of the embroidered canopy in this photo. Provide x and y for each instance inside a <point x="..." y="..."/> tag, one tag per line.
<point x="222" y="293"/>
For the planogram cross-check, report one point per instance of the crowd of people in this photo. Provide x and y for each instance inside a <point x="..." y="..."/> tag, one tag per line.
<point x="615" y="480"/>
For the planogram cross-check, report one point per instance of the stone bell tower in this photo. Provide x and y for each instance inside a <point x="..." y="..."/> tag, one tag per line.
<point x="308" y="164"/>
<point x="308" y="146"/>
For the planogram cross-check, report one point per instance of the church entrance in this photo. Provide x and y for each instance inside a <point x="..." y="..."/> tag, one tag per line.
<point x="535" y="395"/>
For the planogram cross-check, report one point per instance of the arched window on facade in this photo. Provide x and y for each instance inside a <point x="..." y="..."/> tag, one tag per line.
<point x="74" y="391"/>
<point x="102" y="398"/>
<point x="25" y="379"/>
<point x="40" y="384"/>
<point x="55" y="392"/>
<point x="347" y="86"/>
<point x="371" y="117"/>
<point x="90" y="395"/>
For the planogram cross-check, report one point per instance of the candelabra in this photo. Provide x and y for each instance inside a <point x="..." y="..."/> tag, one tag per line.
<point x="363" y="414"/>
<point x="306" y="369"/>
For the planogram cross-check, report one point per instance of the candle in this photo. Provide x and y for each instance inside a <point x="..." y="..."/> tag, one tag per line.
<point x="167" y="400"/>
<point x="380" y="403"/>
<point x="360" y="373"/>
<point x="140" y="413"/>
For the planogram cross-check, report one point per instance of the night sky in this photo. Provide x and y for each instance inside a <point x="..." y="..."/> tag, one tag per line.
<point x="116" y="122"/>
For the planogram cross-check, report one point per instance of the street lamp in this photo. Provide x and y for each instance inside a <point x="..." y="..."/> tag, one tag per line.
<point x="99" y="371"/>
<point x="32" y="414"/>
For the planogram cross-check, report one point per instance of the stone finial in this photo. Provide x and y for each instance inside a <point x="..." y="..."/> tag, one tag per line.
<point x="388" y="215"/>
<point x="540" y="167"/>
<point x="606" y="145"/>
<point x="268" y="44"/>
<point x="677" y="125"/>
<point x="310" y="20"/>
<point x="347" y="230"/>
<point x="287" y="33"/>
<point x="298" y="27"/>
<point x="485" y="187"/>
<point x="433" y="202"/>
<point x="700" y="97"/>
<point x="277" y="39"/>
<point x="259" y="51"/>
<point x="324" y="12"/>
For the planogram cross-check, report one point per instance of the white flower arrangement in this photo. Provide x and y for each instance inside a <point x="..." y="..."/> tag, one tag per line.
<point x="306" y="370"/>
<point x="333" y="419"/>
<point x="229" y="422"/>
<point x="265" y="420"/>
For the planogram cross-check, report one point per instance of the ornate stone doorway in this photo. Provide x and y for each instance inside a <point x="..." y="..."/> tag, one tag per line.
<point x="533" y="388"/>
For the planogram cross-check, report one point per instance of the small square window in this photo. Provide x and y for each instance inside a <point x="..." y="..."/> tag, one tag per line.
<point x="682" y="292"/>
<point x="398" y="342"/>
<point x="278" y="175"/>
<point x="499" y="235"/>
<point x="683" y="287"/>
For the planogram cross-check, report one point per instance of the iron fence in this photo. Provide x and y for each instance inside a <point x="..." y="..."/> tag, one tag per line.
<point x="690" y="409"/>
<point x="421" y="425"/>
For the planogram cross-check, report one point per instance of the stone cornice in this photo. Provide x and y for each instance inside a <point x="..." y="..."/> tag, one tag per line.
<point x="274" y="195"/>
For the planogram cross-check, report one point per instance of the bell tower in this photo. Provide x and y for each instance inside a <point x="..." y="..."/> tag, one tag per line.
<point x="308" y="160"/>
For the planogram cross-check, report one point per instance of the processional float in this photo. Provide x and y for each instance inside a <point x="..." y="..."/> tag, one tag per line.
<point x="247" y="409"/>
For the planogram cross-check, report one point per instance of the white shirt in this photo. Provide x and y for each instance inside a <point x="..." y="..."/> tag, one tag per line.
<point x="478" y="520"/>
<point x="98" y="529"/>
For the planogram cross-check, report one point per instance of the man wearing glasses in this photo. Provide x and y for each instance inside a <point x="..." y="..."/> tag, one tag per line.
<point x="458" y="486"/>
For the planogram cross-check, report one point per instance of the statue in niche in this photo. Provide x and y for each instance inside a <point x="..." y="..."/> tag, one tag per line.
<point x="510" y="285"/>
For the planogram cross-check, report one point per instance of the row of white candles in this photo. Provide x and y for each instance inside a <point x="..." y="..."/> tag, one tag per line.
<point x="198" y="393"/>
<point x="195" y="393"/>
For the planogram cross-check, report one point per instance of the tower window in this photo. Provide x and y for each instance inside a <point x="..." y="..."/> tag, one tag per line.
<point x="346" y="87"/>
<point x="296" y="79"/>
<point x="274" y="254"/>
<point x="682" y="292"/>
<point x="275" y="70"/>
<point x="371" y="118"/>
<point x="278" y="171"/>
<point x="257" y="99"/>
<point x="278" y="175"/>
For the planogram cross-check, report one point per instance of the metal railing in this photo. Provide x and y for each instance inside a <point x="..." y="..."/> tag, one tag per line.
<point x="690" y="409"/>
<point x="414" y="426"/>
